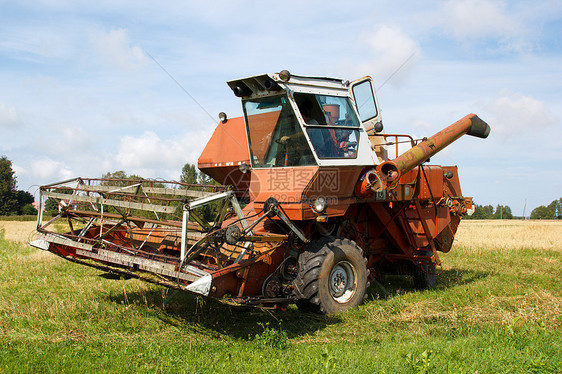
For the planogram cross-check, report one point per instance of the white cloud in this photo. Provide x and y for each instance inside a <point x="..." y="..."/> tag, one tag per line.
<point x="18" y="170"/>
<point x="472" y="20"/>
<point x="74" y="137"/>
<point x="152" y="157"/>
<point x="33" y="42"/>
<point x="392" y="49"/>
<point x="8" y="116"/>
<point x="115" y="48"/>
<point x="477" y="18"/>
<point x="514" y="114"/>
<point x="48" y="169"/>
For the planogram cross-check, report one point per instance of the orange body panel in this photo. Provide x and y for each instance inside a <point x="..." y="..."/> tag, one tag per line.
<point x="296" y="187"/>
<point x="225" y="152"/>
<point x="432" y="182"/>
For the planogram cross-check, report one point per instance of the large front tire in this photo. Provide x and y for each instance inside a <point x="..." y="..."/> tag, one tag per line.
<point x="332" y="276"/>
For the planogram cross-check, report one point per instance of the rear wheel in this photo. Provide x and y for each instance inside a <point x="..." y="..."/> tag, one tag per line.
<point x="332" y="276"/>
<point x="424" y="274"/>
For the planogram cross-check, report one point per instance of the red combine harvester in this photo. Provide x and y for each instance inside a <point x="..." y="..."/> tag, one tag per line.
<point x="310" y="206"/>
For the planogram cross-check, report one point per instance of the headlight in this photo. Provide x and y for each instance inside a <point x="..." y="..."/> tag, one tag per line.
<point x="319" y="205"/>
<point x="244" y="168"/>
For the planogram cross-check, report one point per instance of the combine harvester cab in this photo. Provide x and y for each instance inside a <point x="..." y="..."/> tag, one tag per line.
<point x="310" y="207"/>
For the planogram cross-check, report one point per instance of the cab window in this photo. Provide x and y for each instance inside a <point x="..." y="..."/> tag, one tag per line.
<point x="331" y="124"/>
<point x="275" y="136"/>
<point x="364" y="99"/>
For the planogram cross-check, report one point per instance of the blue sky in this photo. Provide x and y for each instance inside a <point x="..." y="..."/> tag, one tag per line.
<point x="80" y="95"/>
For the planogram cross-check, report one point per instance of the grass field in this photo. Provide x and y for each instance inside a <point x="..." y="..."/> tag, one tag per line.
<point x="497" y="308"/>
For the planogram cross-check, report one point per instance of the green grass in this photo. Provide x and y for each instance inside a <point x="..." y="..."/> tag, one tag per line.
<point x="21" y="218"/>
<point x="491" y="312"/>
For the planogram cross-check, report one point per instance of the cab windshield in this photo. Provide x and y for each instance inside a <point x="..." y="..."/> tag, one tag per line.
<point x="275" y="136"/>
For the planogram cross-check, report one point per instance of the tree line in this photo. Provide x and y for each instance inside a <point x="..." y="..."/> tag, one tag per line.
<point x="551" y="211"/>
<point x="488" y="212"/>
<point x="13" y="201"/>
<point x="19" y="202"/>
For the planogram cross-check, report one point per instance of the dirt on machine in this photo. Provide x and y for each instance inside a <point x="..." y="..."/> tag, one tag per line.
<point x="315" y="200"/>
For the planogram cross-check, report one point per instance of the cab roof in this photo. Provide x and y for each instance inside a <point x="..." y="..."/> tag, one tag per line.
<point x="268" y="84"/>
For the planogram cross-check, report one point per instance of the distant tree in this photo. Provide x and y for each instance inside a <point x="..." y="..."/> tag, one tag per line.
<point x="479" y="213"/>
<point x="551" y="211"/>
<point x="483" y="212"/>
<point x="13" y="201"/>
<point x="488" y="211"/>
<point x="28" y="210"/>
<point x="8" y="194"/>
<point x="556" y="207"/>
<point x="542" y="212"/>
<point x="189" y="174"/>
<point x="120" y="178"/>
<point x="205" y="179"/>
<point x="507" y="213"/>
<point x="51" y="205"/>
<point x="503" y="212"/>
<point x="24" y="198"/>
<point x="120" y="174"/>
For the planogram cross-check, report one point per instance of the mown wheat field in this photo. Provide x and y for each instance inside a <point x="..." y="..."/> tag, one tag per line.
<point x="497" y="308"/>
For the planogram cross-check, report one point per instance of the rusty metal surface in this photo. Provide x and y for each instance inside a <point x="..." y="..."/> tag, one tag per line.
<point x="136" y="226"/>
<point x="391" y="171"/>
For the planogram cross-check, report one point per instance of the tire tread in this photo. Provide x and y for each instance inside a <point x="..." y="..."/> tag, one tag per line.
<point x="310" y="263"/>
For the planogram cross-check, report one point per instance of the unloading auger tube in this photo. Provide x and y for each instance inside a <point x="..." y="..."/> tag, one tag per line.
<point x="387" y="174"/>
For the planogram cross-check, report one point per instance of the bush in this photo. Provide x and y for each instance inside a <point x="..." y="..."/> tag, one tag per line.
<point x="28" y="209"/>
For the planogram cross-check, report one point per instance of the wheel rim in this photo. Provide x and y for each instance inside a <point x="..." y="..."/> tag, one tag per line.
<point x="342" y="282"/>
